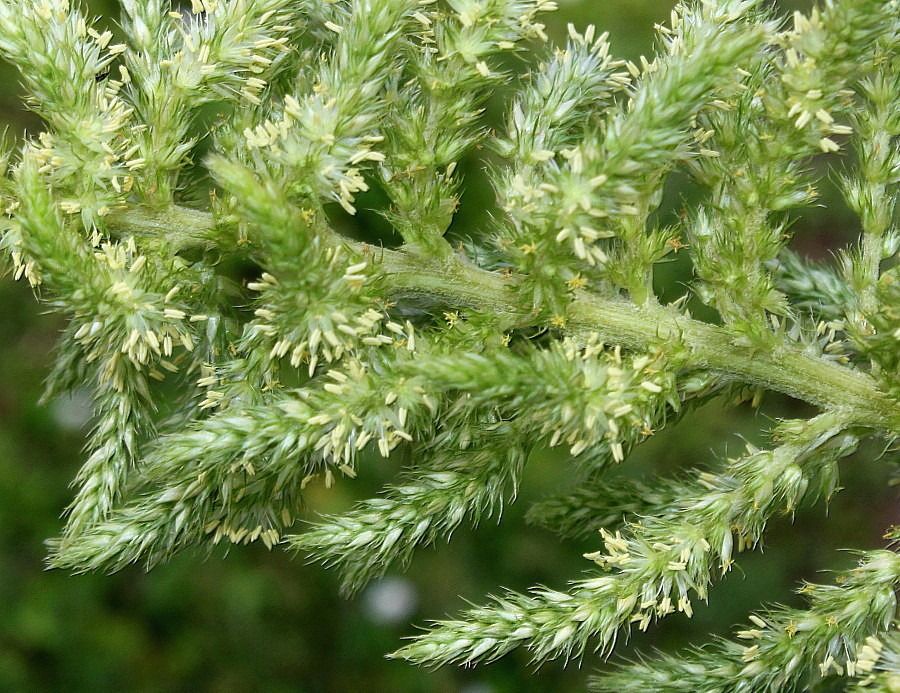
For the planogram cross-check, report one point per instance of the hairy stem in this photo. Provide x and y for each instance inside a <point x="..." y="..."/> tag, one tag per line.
<point x="408" y="273"/>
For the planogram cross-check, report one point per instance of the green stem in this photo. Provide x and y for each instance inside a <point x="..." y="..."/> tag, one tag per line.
<point x="783" y="369"/>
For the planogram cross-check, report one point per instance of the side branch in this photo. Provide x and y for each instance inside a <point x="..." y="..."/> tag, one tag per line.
<point x="406" y="273"/>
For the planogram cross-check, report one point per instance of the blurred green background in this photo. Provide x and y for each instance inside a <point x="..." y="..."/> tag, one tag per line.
<point x="251" y="620"/>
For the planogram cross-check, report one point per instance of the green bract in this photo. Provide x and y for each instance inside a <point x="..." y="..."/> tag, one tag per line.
<point x="544" y="331"/>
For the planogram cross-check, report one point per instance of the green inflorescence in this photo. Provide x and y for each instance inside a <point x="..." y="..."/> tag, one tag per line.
<point x="545" y="330"/>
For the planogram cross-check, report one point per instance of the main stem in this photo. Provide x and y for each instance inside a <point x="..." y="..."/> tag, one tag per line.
<point x="405" y="272"/>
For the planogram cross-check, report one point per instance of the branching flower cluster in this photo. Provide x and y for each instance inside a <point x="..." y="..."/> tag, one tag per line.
<point x="243" y="343"/>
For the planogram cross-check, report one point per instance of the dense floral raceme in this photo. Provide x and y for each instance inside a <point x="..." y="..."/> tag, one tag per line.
<point x="244" y="335"/>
